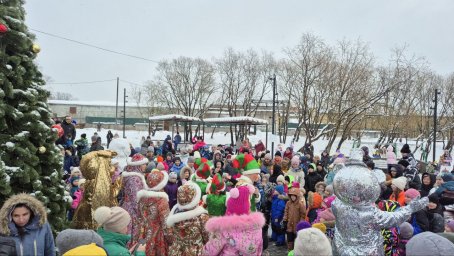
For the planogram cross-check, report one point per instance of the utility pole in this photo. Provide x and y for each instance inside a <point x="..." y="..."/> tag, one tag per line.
<point x="435" y="123"/>
<point x="116" y="105"/>
<point x="124" y="113"/>
<point x="273" y="121"/>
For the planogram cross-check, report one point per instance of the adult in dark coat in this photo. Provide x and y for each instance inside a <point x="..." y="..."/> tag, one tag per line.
<point x="276" y="172"/>
<point x="312" y="178"/>
<point x="68" y="128"/>
<point x="428" y="181"/>
<point x="109" y="138"/>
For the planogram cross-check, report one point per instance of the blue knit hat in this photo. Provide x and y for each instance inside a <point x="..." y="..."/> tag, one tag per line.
<point x="279" y="189"/>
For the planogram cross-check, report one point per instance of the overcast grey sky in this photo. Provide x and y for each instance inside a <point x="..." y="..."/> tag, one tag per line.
<point x="168" y="29"/>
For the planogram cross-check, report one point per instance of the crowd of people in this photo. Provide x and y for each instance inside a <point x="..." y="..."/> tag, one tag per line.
<point x="170" y="199"/>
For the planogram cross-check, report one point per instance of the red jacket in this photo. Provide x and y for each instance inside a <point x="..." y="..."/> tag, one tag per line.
<point x="259" y="147"/>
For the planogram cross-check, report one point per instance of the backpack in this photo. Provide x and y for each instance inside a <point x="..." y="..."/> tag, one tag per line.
<point x="447" y="197"/>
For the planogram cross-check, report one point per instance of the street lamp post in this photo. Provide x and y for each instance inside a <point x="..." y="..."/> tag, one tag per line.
<point x="273" y="121"/>
<point x="124" y="113"/>
<point x="435" y="124"/>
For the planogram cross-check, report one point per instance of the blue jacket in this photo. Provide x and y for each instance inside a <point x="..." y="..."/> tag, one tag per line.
<point x="37" y="236"/>
<point x="177" y="139"/>
<point x="37" y="240"/>
<point x="176" y="169"/>
<point x="68" y="162"/>
<point x="277" y="209"/>
<point x="445" y="186"/>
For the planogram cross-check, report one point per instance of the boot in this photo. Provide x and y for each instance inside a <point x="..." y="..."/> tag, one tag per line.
<point x="290" y="246"/>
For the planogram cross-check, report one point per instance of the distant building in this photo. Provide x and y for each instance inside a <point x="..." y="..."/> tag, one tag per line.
<point x="92" y="112"/>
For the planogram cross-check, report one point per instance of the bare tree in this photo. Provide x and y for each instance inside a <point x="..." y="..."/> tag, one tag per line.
<point x="186" y="85"/>
<point x="244" y="79"/>
<point x="354" y="88"/>
<point x="306" y="76"/>
<point x="61" y="96"/>
<point x="149" y="98"/>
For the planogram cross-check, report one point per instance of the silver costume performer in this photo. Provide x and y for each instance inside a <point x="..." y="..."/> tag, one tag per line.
<point x="358" y="220"/>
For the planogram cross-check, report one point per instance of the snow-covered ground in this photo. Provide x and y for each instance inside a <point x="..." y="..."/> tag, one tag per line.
<point x="134" y="138"/>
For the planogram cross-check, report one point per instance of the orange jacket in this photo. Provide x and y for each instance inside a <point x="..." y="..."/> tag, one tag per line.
<point x="400" y="198"/>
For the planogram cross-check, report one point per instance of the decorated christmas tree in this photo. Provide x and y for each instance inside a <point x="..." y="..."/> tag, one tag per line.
<point x="29" y="160"/>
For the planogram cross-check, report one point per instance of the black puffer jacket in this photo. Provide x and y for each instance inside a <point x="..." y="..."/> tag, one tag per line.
<point x="68" y="129"/>
<point x="7" y="246"/>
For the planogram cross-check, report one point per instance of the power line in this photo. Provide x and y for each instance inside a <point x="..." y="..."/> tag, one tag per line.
<point x="94" y="82"/>
<point x="87" y="82"/>
<point x="130" y="82"/>
<point x="93" y="46"/>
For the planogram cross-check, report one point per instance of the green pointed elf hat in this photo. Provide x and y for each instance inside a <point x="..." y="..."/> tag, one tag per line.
<point x="245" y="164"/>
<point x="216" y="184"/>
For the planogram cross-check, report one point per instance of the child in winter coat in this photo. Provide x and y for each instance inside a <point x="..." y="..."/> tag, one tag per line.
<point x="320" y="188"/>
<point x="296" y="171"/>
<point x="239" y="232"/>
<point x="281" y="181"/>
<point x="153" y="210"/>
<point x="216" y="197"/>
<point x="295" y="211"/>
<point x="185" y="175"/>
<point x="177" y="166"/>
<point x="171" y="189"/>
<point x="398" y="186"/>
<point x="406" y="233"/>
<point x="420" y="220"/>
<point x="285" y="165"/>
<point x="74" y="186"/>
<point x="327" y="217"/>
<point x="74" y="174"/>
<point x="314" y="201"/>
<point x="391" y="158"/>
<point x="77" y="197"/>
<point x="325" y="213"/>
<point x="169" y="160"/>
<point x="390" y="235"/>
<point x="277" y="216"/>
<point x="186" y="222"/>
<point x="312" y="178"/>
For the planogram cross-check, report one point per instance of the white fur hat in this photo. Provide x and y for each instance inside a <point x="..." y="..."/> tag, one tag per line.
<point x="312" y="241"/>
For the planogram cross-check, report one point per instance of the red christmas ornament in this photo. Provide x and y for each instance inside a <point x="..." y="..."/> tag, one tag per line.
<point x="3" y="29"/>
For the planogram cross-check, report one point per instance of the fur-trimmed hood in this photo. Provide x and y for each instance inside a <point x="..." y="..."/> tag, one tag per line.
<point x="148" y="193"/>
<point x="238" y="223"/>
<point x="34" y="204"/>
<point x="174" y="218"/>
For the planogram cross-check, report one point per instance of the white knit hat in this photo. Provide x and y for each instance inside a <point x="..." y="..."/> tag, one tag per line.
<point x="280" y="178"/>
<point x="312" y="241"/>
<point x="113" y="219"/>
<point x="400" y="182"/>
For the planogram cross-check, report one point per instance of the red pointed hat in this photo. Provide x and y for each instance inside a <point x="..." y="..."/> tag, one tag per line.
<point x="204" y="171"/>
<point x="216" y="184"/>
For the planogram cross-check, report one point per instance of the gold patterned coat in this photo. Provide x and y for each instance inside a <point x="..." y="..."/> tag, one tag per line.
<point x="95" y="167"/>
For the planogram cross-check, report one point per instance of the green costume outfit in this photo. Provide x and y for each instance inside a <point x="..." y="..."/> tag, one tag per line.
<point x="216" y="204"/>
